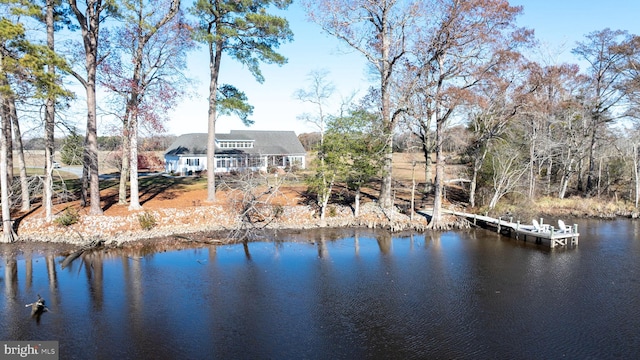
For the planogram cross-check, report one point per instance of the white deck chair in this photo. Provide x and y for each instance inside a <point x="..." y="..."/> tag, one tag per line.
<point x="536" y="226"/>
<point x="563" y="228"/>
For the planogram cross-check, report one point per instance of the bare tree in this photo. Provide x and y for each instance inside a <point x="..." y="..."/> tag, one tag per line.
<point x="459" y="45"/>
<point x="497" y="102"/>
<point x="22" y="168"/>
<point x="381" y="31"/>
<point x="318" y="94"/>
<point x="7" y="225"/>
<point x="606" y="51"/>
<point x="142" y="21"/>
<point x="508" y="168"/>
<point x="89" y="21"/>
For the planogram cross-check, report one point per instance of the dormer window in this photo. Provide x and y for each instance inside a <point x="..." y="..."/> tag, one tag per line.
<point x="235" y="144"/>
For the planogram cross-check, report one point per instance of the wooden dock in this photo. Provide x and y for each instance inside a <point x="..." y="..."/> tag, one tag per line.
<point x="542" y="234"/>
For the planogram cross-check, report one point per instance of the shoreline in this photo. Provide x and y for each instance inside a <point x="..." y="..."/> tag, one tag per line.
<point x="214" y="219"/>
<point x="218" y="219"/>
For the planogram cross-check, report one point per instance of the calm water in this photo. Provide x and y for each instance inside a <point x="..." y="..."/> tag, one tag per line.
<point x="340" y="294"/>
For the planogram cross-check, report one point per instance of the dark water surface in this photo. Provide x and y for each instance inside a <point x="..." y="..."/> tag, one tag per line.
<point x="340" y="294"/>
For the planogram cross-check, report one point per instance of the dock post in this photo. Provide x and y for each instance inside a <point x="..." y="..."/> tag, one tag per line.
<point x="499" y="223"/>
<point x="474" y="219"/>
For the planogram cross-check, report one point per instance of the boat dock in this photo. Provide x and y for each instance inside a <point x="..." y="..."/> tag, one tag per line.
<point x="540" y="232"/>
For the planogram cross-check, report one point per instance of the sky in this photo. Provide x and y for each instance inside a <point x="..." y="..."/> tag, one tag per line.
<point x="558" y="25"/>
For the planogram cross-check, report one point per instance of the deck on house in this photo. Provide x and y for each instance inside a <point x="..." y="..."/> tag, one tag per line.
<point x="541" y="233"/>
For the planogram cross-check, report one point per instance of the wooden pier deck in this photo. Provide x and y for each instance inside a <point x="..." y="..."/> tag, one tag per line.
<point x="545" y="234"/>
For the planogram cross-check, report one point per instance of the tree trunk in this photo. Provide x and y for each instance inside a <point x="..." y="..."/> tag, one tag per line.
<point x="413" y="190"/>
<point x="325" y="196"/>
<point x="436" y="219"/>
<point x="494" y="199"/>
<point x="7" y="224"/>
<point x="24" y="186"/>
<point x="144" y="33"/>
<point x="49" y="127"/>
<point x="84" y="186"/>
<point x="386" y="67"/>
<point x="356" y="206"/>
<point x="426" y="146"/>
<point x="636" y="173"/>
<point x="215" y="56"/>
<point x="598" y="185"/>
<point x="532" y="152"/>
<point x="135" y="199"/>
<point x="591" y="161"/>
<point x="125" y="166"/>
<point x="90" y="26"/>
<point x="477" y="165"/>
<point x="6" y="133"/>
<point x="49" y="124"/>
<point x="92" y="151"/>
<point x="566" y="175"/>
<point x="385" y="200"/>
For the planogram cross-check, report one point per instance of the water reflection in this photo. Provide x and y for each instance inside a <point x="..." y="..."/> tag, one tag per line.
<point x="11" y="278"/>
<point x="384" y="242"/>
<point x="337" y="294"/>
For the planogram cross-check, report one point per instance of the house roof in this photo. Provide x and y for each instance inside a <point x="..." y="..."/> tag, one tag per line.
<point x="188" y="144"/>
<point x="264" y="142"/>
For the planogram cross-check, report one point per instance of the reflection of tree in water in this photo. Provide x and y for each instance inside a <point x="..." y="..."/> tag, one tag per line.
<point x="11" y="278"/>
<point x="323" y="251"/>
<point x="28" y="279"/>
<point x="52" y="276"/>
<point x="384" y="241"/>
<point x="432" y="238"/>
<point x="93" y="265"/>
<point x="356" y="242"/>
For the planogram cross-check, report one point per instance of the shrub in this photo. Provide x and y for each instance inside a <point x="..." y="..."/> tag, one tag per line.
<point x="150" y="161"/>
<point x="332" y="211"/>
<point x="278" y="211"/>
<point x="72" y="149"/>
<point x="68" y="217"/>
<point x="147" y="220"/>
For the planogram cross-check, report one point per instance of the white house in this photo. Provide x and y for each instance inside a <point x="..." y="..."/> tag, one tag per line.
<point x="236" y="151"/>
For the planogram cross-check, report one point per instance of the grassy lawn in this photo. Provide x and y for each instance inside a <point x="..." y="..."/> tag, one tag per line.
<point x="37" y="171"/>
<point x="147" y="184"/>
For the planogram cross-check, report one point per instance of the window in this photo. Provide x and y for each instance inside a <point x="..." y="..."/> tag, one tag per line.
<point x="256" y="162"/>
<point x="193" y="162"/>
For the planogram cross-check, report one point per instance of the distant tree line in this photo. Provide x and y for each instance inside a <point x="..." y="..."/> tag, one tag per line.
<point x="106" y="143"/>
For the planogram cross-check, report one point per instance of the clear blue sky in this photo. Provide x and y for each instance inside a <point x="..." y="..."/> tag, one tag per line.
<point x="557" y="23"/>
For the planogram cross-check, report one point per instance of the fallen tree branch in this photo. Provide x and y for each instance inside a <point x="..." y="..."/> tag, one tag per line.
<point x="96" y="244"/>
